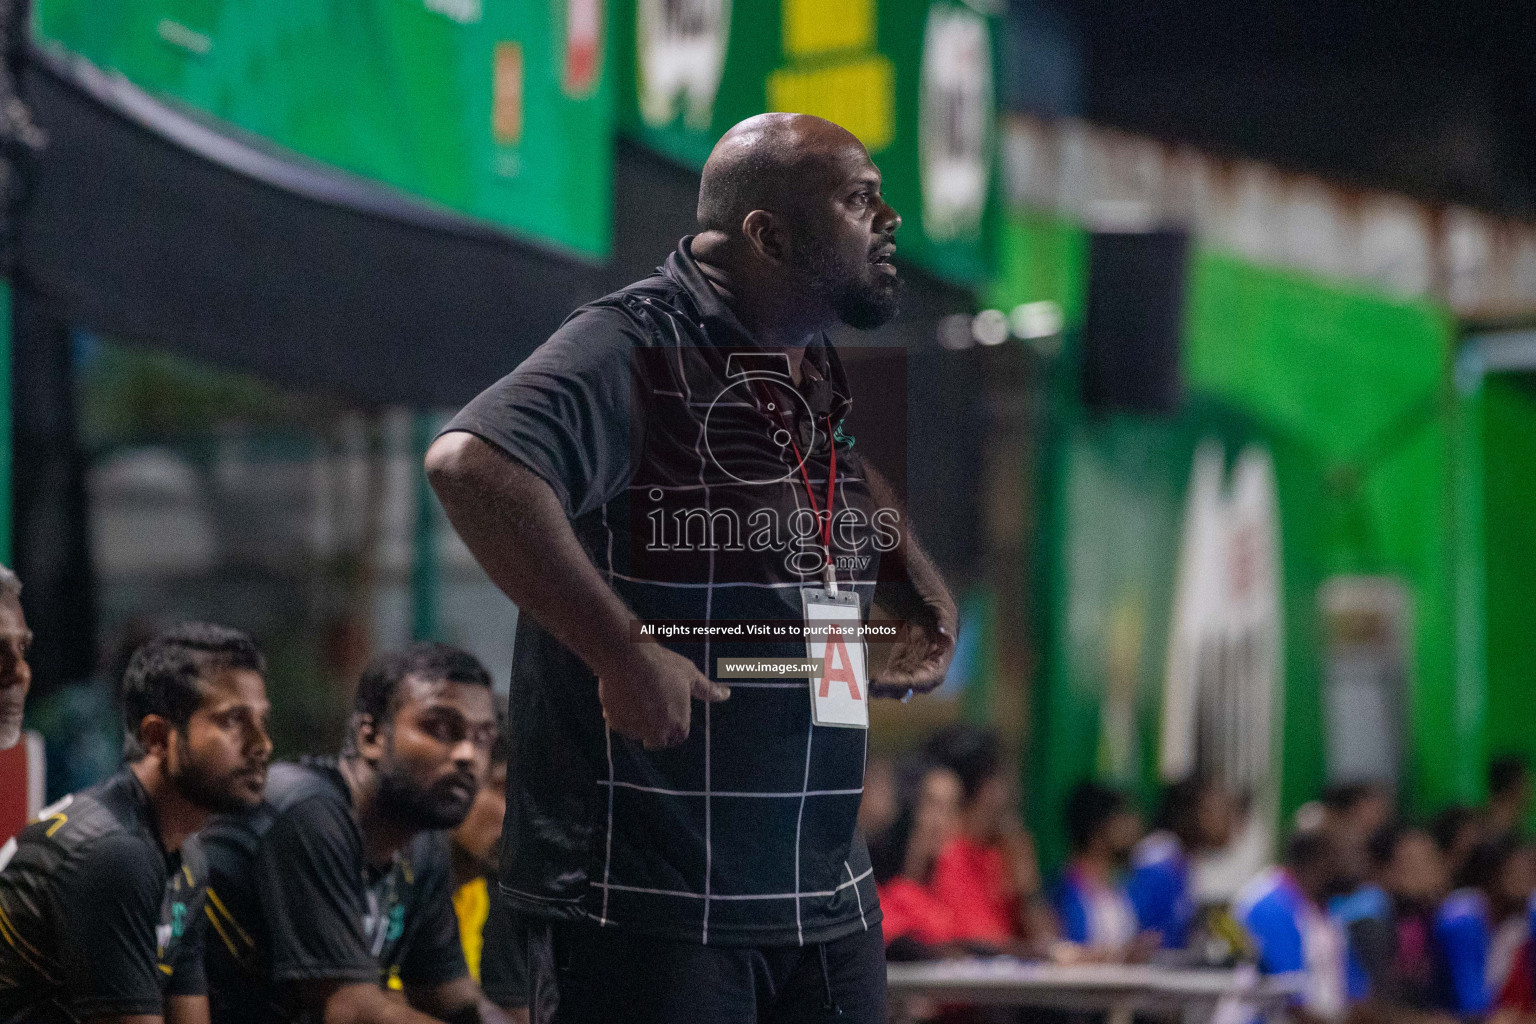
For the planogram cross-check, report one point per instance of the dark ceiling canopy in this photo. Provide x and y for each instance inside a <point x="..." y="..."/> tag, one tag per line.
<point x="145" y="223"/>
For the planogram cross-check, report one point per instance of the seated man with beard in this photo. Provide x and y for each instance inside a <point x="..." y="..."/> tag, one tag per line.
<point x="101" y="898"/>
<point x="337" y="888"/>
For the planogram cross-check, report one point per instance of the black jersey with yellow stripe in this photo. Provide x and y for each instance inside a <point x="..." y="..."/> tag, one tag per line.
<point x="292" y="899"/>
<point x="96" y="917"/>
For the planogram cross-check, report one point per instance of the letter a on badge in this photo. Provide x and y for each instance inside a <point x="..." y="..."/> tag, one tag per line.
<point x="840" y="667"/>
<point x="839" y="691"/>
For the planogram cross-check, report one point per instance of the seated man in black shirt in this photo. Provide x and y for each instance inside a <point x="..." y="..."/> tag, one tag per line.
<point x="101" y="898"/>
<point x="337" y="890"/>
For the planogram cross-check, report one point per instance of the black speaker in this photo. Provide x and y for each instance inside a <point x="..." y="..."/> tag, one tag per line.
<point x="1134" y="321"/>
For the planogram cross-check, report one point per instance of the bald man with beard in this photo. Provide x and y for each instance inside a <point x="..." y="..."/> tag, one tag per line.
<point x="677" y="848"/>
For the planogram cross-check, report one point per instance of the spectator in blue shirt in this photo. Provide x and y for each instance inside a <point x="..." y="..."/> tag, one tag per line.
<point x="1090" y="899"/>
<point x="1284" y="912"/>
<point x="1482" y="925"/>
<point x="1392" y="937"/>
<point x="1197" y="816"/>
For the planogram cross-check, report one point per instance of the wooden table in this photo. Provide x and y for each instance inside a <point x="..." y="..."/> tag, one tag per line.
<point x="1197" y="996"/>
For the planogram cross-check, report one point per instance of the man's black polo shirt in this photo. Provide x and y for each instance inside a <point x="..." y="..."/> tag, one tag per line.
<point x="641" y="415"/>
<point x="292" y="898"/>
<point x="96" y="918"/>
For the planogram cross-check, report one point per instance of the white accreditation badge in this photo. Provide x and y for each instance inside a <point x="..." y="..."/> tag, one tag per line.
<point x="840" y="695"/>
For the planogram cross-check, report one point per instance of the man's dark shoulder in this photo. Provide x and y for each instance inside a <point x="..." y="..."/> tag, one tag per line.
<point x="108" y="814"/>
<point x="645" y="304"/>
<point x="292" y="783"/>
<point x="657" y="287"/>
<point x="303" y="790"/>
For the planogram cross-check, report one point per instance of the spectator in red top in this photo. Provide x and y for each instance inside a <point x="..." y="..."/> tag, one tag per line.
<point x="988" y="873"/>
<point x="917" y="924"/>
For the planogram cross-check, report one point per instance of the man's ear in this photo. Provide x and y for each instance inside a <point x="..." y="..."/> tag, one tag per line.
<point x="369" y="737"/>
<point x="155" y="736"/>
<point x="765" y="234"/>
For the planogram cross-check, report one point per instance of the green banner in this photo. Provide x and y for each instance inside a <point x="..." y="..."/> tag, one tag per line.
<point x="915" y="80"/>
<point x="1360" y="479"/>
<point x="497" y="109"/>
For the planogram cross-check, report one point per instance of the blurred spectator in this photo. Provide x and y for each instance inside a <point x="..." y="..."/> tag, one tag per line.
<point x="1391" y="926"/>
<point x="1509" y="796"/>
<point x="1196" y="817"/>
<point x="988" y="873"/>
<point x="917" y="924"/>
<point x="1284" y="911"/>
<point x="1353" y="812"/>
<point x="1458" y="830"/>
<point x="15" y="673"/>
<point x="486" y="924"/>
<point x="1517" y="998"/>
<point x="473" y="848"/>
<point x="1509" y="897"/>
<point x="1091" y="901"/>
<point x="1482" y="925"/>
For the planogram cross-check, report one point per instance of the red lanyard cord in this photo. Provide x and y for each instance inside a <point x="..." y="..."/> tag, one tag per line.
<point x="824" y="524"/>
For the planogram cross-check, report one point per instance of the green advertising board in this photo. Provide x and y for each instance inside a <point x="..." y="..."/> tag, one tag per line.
<point x="1497" y="499"/>
<point x="497" y="109"/>
<point x="913" y="79"/>
<point x="1275" y="364"/>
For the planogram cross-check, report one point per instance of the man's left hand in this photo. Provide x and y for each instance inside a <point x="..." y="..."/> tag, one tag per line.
<point x="921" y="653"/>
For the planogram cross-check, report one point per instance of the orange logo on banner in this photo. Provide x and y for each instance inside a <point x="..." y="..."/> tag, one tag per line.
<point x="507" y="94"/>
<point x="843" y="672"/>
<point x="583" y="46"/>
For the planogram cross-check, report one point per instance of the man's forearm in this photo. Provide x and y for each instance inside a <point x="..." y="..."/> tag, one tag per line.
<point x="457" y="1002"/>
<point x="186" y="1010"/>
<point x="918" y="582"/>
<point x="360" y="1003"/>
<point x="514" y="526"/>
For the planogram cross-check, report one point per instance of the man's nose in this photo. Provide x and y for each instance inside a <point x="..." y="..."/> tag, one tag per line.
<point x="465" y="751"/>
<point x="260" y="742"/>
<point x="18" y="669"/>
<point x="889" y="220"/>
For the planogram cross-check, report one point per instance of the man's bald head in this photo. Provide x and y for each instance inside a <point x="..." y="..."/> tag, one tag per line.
<point x="766" y="163"/>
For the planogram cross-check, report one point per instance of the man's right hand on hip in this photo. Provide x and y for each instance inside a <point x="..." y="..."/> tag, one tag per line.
<point x="651" y="698"/>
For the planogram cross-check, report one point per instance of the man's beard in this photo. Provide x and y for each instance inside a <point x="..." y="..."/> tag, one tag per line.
<point x="433" y="807"/>
<point x="860" y="296"/>
<point x="218" y="795"/>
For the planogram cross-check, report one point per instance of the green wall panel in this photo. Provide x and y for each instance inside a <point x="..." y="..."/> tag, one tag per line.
<point x="1347" y="392"/>
<point x="1508" y="409"/>
<point x="497" y="109"/>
